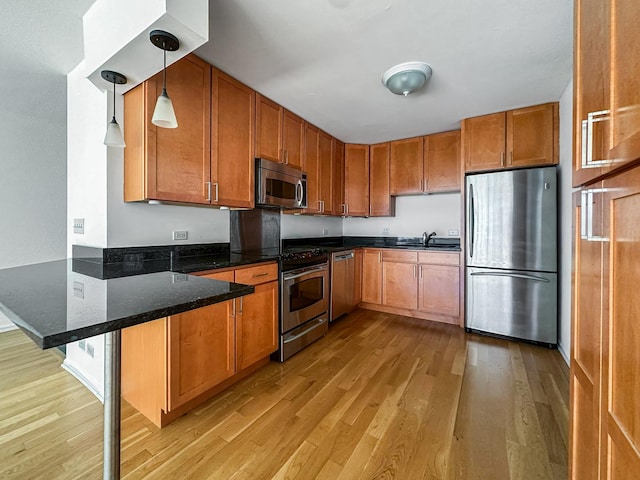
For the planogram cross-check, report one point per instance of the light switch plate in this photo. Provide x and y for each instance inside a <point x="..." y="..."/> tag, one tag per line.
<point x="454" y="233"/>
<point x="180" y="234"/>
<point x="78" y="225"/>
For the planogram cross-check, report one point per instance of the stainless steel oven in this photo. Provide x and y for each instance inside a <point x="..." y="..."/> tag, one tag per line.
<point x="304" y="313"/>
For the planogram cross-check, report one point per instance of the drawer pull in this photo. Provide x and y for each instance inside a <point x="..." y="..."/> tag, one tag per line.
<point x="263" y="274"/>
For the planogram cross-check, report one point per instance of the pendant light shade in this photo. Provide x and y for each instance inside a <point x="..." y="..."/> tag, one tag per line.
<point x="113" y="137"/>
<point x="406" y="78"/>
<point x="163" y="115"/>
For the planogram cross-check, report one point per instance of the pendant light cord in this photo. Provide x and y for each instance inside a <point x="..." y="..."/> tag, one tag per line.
<point x="114" y="101"/>
<point x="164" y="69"/>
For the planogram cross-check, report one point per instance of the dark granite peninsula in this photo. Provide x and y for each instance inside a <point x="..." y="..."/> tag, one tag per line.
<point x="54" y="304"/>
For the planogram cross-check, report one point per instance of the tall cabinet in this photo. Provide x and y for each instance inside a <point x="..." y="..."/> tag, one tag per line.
<point x="605" y="359"/>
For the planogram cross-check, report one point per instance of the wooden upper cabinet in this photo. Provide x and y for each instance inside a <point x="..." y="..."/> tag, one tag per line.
<point x="524" y="137"/>
<point x="310" y="165"/>
<point x="232" y="141"/>
<point x="337" y="178"/>
<point x="532" y="135"/>
<point x="356" y="180"/>
<point x="382" y="204"/>
<point x="442" y="162"/>
<point x="169" y="164"/>
<point x="325" y="173"/>
<point x="269" y="118"/>
<point x="484" y="142"/>
<point x="406" y="166"/>
<point x="292" y="139"/>
<point x="625" y="86"/>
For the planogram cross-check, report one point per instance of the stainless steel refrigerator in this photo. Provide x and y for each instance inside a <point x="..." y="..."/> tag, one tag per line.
<point x="511" y="254"/>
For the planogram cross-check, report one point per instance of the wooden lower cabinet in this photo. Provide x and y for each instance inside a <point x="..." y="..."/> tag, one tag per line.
<point x="201" y="353"/>
<point x="171" y="365"/>
<point x="420" y="284"/>
<point x="257" y="324"/>
<point x="372" y="276"/>
<point x="605" y="359"/>
<point x="357" y="277"/>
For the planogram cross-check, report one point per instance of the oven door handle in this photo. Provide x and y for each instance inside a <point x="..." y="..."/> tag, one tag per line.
<point x="304" y="274"/>
<point x="305" y="331"/>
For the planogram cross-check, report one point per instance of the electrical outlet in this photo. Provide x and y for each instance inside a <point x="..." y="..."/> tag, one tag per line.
<point x="454" y="233"/>
<point x="78" y="225"/>
<point x="385" y="230"/>
<point x="325" y="231"/>
<point x="180" y="234"/>
<point x="78" y="289"/>
<point x="90" y="351"/>
<point x="179" y="278"/>
<point x="82" y="344"/>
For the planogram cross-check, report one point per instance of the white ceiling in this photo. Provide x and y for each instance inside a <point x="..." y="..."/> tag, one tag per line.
<point x="323" y="59"/>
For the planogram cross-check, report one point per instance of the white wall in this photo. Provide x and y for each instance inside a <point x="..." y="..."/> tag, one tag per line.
<point x="305" y="226"/>
<point x="33" y="168"/>
<point x="565" y="218"/>
<point x="414" y="215"/>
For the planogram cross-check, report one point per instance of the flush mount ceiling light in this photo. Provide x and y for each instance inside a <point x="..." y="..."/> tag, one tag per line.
<point x="406" y="78"/>
<point x="163" y="115"/>
<point x="114" y="137"/>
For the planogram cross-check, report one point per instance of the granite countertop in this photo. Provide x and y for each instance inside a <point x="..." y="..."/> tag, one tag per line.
<point x="54" y="303"/>
<point x="337" y="244"/>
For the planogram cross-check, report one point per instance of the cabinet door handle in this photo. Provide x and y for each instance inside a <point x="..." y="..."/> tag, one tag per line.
<point x="233" y="308"/>
<point x="586" y="215"/>
<point x="369" y="209"/>
<point x="216" y="185"/>
<point x="346" y="209"/>
<point x="241" y="306"/>
<point x="414" y="271"/>
<point x="420" y="271"/>
<point x="379" y="257"/>
<point x="286" y="157"/>
<point x="593" y="117"/>
<point x="502" y="159"/>
<point x="511" y="158"/>
<point x="208" y="185"/>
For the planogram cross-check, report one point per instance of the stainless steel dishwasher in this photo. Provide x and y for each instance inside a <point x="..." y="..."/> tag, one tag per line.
<point x="342" y="283"/>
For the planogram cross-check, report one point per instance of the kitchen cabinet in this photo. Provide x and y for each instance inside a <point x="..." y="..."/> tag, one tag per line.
<point x="310" y="164"/>
<point x="416" y="283"/>
<point x="173" y="364"/>
<point x="325" y="173"/>
<point x="208" y="159"/>
<point x="372" y="276"/>
<point x="356" y="180"/>
<point x="605" y="359"/>
<point x="406" y="166"/>
<point x="439" y="284"/>
<point x="279" y="133"/>
<point x="606" y="85"/>
<point x="442" y="162"/>
<point x="400" y="279"/>
<point x="518" y="138"/>
<point x="337" y="204"/>
<point x="170" y="164"/>
<point x="232" y="141"/>
<point x="269" y="119"/>
<point x="382" y="204"/>
<point x="357" y="279"/>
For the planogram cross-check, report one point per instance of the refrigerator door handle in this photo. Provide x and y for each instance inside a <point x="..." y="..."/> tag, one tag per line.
<point x="514" y="275"/>
<point x="472" y="222"/>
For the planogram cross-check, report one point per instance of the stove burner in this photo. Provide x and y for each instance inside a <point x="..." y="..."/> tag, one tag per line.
<point x="298" y="257"/>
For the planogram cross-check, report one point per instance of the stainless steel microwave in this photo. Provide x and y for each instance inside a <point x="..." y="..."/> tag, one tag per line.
<point x="280" y="185"/>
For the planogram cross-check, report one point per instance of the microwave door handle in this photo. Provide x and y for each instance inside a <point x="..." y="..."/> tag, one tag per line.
<point x="299" y="193"/>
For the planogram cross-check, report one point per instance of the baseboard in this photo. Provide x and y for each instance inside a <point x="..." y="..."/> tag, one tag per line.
<point x="564" y="355"/>
<point x="69" y="367"/>
<point x="7" y="328"/>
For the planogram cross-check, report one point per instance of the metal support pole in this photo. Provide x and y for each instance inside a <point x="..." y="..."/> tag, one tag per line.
<point x="111" y="470"/>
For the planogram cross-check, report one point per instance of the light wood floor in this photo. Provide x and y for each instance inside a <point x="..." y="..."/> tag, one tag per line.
<point x="381" y="396"/>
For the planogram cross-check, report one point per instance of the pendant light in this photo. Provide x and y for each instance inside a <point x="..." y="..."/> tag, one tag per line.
<point x="163" y="115"/>
<point x="113" y="137"/>
<point x="406" y="78"/>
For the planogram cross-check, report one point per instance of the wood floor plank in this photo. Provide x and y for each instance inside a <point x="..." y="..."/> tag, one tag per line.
<point x="381" y="396"/>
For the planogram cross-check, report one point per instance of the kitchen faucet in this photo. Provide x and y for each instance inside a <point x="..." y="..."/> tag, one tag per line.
<point x="427" y="238"/>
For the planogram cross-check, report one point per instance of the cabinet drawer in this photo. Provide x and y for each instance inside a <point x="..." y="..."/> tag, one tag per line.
<point x="439" y="258"/>
<point x="226" y="276"/>
<point x="400" y="256"/>
<point x="266" y="272"/>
